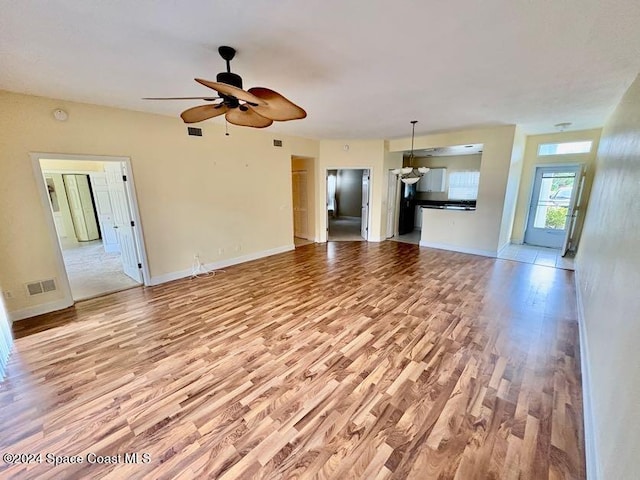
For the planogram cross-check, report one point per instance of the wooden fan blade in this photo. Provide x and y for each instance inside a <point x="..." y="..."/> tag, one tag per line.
<point x="203" y="112"/>
<point x="231" y="91"/>
<point x="247" y="118"/>
<point x="277" y="106"/>
<point x="182" y="98"/>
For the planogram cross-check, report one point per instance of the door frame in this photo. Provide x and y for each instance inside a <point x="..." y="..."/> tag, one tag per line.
<point x="394" y="202"/>
<point x="578" y="165"/>
<point x="63" y="278"/>
<point x="324" y="232"/>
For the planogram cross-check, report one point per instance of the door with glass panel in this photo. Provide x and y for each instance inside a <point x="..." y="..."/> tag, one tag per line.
<point x="552" y="205"/>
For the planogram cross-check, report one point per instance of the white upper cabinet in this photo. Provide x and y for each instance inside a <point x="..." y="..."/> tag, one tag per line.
<point x="433" y="181"/>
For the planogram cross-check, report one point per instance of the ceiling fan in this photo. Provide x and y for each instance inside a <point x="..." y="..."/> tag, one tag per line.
<point x="258" y="107"/>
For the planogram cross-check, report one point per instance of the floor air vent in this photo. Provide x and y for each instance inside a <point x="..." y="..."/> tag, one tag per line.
<point x="43" y="286"/>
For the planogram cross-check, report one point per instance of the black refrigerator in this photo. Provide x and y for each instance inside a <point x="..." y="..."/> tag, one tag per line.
<point x="407" y="208"/>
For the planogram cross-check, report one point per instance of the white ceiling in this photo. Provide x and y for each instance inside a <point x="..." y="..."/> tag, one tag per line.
<point x="361" y="69"/>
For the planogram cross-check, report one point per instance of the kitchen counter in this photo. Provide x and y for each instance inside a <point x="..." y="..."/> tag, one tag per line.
<point x="464" y="205"/>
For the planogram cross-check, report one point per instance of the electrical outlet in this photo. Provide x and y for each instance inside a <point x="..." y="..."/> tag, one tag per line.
<point x="220" y="251"/>
<point x="238" y="247"/>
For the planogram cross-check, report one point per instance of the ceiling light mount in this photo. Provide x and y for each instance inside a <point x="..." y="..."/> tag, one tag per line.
<point x="563" y="126"/>
<point x="60" y="115"/>
<point x="227" y="54"/>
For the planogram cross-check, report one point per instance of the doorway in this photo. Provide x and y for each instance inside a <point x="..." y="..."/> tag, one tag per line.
<point x="551" y="220"/>
<point x="348" y="204"/>
<point x="95" y="223"/>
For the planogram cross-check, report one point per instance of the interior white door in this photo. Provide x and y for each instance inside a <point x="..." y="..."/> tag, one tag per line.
<point x="122" y="220"/>
<point x="392" y="198"/>
<point x="364" y="211"/>
<point x="553" y="194"/>
<point x="575" y="210"/>
<point x="300" y="204"/>
<point x="105" y="212"/>
<point x="75" y="205"/>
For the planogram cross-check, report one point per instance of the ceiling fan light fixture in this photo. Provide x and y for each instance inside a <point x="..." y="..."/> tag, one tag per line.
<point x="410" y="180"/>
<point x="258" y="107"/>
<point x="411" y="175"/>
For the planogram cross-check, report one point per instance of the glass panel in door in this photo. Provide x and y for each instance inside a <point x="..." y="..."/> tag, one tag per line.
<point x="551" y="202"/>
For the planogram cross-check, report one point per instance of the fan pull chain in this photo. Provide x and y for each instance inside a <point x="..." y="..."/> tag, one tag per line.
<point x="226" y="127"/>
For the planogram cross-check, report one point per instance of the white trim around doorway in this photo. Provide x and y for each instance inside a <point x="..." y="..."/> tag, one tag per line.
<point x="62" y="278"/>
<point x="323" y="236"/>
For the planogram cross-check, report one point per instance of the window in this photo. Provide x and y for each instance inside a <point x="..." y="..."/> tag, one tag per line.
<point x="545" y="149"/>
<point x="463" y="185"/>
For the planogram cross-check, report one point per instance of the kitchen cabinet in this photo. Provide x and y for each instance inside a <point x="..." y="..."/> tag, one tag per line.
<point x="433" y="181"/>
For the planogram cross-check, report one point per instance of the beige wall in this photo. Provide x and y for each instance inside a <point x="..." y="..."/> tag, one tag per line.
<point x="531" y="160"/>
<point x="221" y="197"/>
<point x="308" y="165"/>
<point x="360" y="154"/>
<point x="608" y="272"/>
<point x="513" y="185"/>
<point x="476" y="231"/>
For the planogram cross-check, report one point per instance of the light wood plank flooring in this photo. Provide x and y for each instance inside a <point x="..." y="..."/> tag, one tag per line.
<point x="342" y="360"/>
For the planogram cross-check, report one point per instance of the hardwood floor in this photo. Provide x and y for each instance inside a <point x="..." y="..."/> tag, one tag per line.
<point x="341" y="360"/>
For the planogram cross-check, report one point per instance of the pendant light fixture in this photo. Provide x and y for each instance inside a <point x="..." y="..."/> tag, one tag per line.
<point x="409" y="174"/>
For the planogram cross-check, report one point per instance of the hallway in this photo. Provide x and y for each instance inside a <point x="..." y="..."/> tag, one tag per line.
<point x="345" y="228"/>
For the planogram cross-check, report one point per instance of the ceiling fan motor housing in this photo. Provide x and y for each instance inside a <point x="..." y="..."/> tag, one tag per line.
<point x="230" y="79"/>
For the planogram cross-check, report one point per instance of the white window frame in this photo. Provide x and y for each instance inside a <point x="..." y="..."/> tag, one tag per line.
<point x="565" y="148"/>
<point x="470" y="180"/>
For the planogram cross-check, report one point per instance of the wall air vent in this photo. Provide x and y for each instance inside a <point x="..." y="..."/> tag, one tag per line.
<point x="277" y="143"/>
<point x="194" y="131"/>
<point x="43" y="286"/>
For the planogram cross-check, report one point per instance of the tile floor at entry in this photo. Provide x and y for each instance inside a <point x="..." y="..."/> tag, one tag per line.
<point x="93" y="272"/>
<point x="547" y="257"/>
<point x="411" y="237"/>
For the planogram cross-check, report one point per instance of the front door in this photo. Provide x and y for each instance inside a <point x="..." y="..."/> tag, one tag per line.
<point x="551" y="205"/>
<point x="122" y="220"/>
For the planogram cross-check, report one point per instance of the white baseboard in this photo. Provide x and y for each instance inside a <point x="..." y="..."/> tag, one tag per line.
<point x="455" y="248"/>
<point x="501" y="249"/>
<point x="590" y="444"/>
<point x="39" y="309"/>
<point x="517" y="241"/>
<point x="168" y="277"/>
<point x="375" y="239"/>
